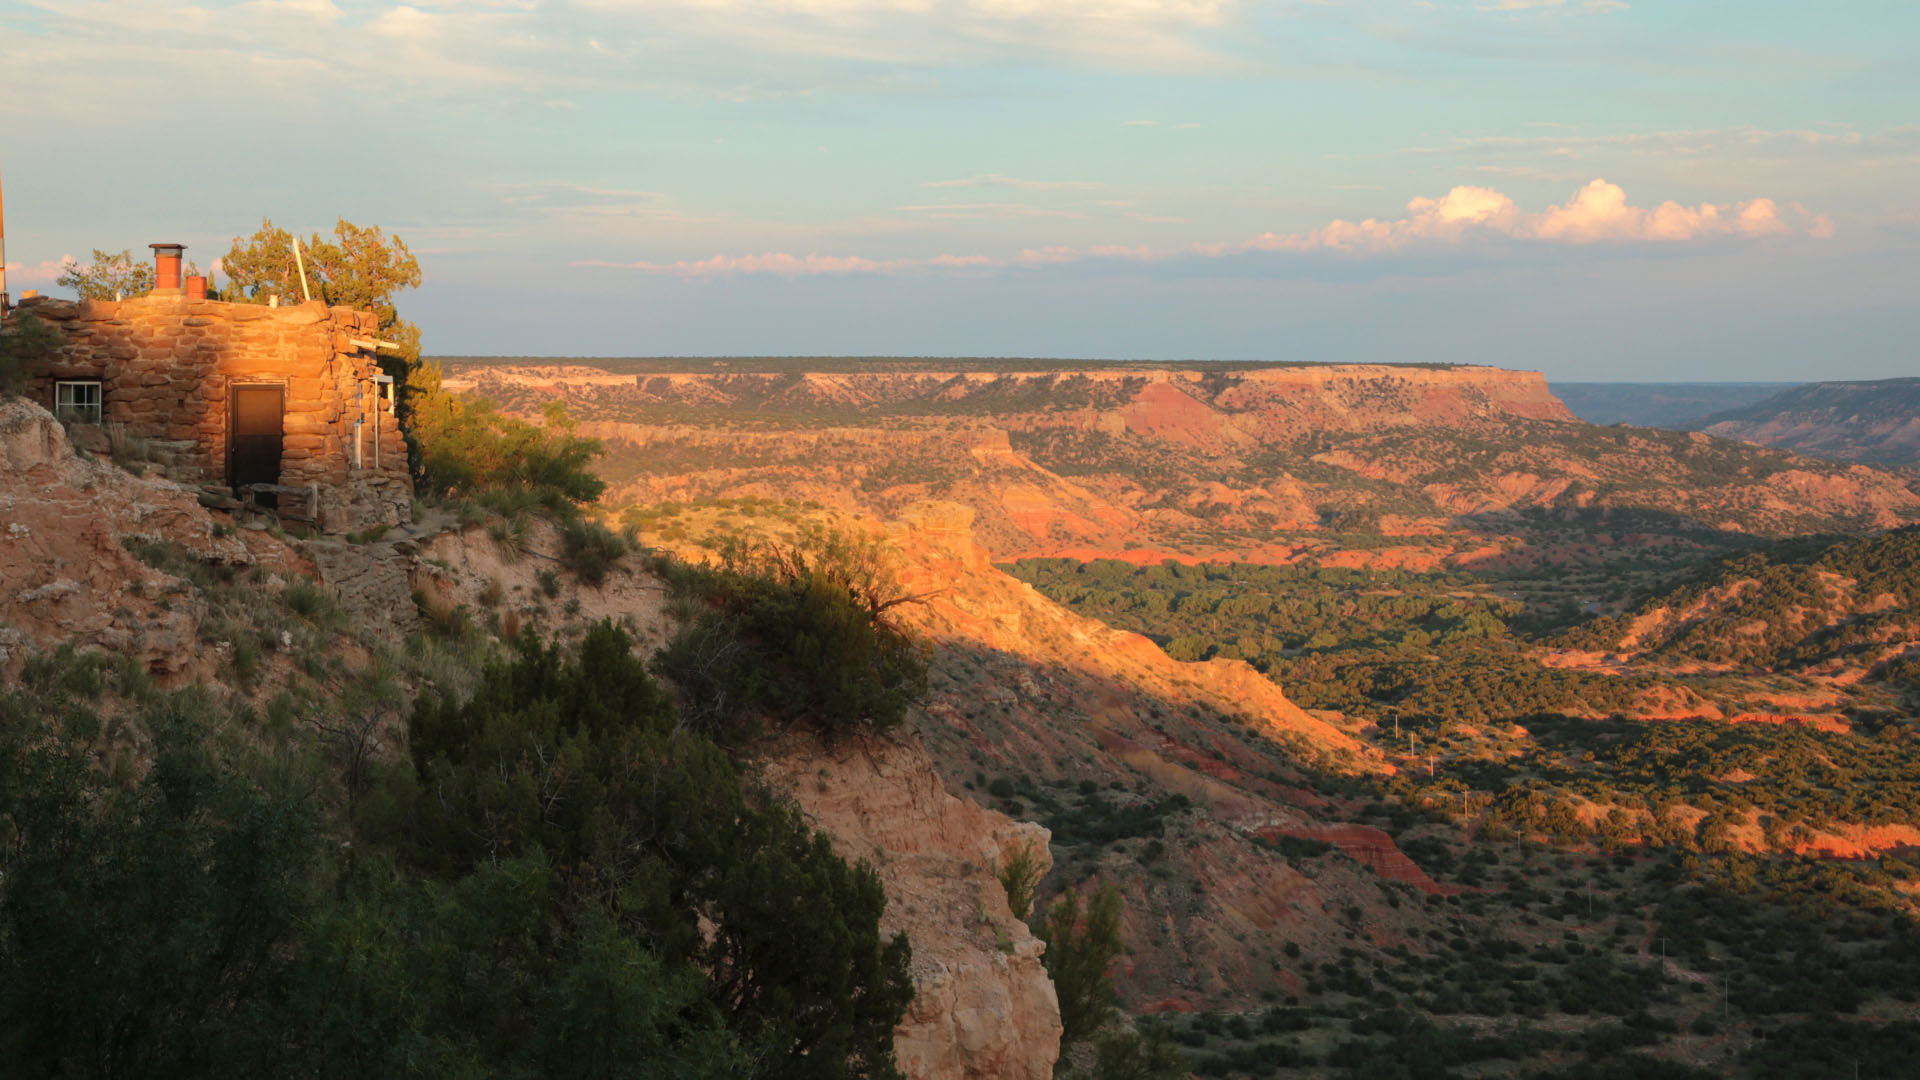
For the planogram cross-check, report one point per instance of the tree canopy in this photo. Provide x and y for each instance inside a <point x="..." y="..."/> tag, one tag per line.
<point x="557" y="883"/>
<point x="358" y="267"/>
<point x="108" y="276"/>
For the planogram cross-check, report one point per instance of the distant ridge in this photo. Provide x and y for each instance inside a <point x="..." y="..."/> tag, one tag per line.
<point x="1668" y="405"/>
<point x="838" y="365"/>
<point x="1876" y="421"/>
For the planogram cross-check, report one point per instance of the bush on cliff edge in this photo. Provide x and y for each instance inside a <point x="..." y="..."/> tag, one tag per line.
<point x="793" y="632"/>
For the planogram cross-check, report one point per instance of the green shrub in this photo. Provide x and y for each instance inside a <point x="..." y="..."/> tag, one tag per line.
<point x="1079" y="957"/>
<point x="469" y="449"/>
<point x="578" y="763"/>
<point x="1019" y="875"/>
<point x="140" y="924"/>
<point x="26" y="340"/>
<point x="310" y="601"/>
<point x="788" y="636"/>
<point x="535" y="894"/>
<point x="589" y="549"/>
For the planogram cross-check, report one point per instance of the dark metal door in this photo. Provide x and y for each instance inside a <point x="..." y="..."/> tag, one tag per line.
<point x="256" y="428"/>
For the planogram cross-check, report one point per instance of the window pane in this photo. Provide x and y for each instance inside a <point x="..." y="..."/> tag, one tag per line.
<point x="79" y="401"/>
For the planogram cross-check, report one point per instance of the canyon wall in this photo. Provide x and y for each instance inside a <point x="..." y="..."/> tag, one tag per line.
<point x="1463" y="467"/>
<point x="983" y="1007"/>
<point x="1152" y="401"/>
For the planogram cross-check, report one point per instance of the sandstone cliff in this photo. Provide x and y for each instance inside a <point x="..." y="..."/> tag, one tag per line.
<point x="983" y="1006"/>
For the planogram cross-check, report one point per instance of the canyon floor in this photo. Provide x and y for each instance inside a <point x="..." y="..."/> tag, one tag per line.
<point x="1424" y="728"/>
<point x="1524" y="762"/>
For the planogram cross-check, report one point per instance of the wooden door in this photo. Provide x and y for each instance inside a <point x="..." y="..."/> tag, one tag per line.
<point x="254" y="454"/>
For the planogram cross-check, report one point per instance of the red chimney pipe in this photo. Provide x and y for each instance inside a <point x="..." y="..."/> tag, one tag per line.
<point x="166" y="266"/>
<point x="196" y="287"/>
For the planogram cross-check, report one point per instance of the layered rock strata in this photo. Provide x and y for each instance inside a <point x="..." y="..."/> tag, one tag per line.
<point x="983" y="1007"/>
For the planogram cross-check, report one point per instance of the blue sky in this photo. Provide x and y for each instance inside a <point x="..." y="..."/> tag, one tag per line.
<point x="1600" y="189"/>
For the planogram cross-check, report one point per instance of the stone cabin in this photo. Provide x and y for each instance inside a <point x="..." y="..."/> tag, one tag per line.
<point x="283" y="405"/>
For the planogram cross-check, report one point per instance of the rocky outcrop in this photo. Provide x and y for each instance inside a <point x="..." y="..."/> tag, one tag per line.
<point x="983" y="1007"/>
<point x="66" y="575"/>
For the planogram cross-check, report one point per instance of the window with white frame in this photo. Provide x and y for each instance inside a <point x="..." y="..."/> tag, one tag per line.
<point x="77" y="400"/>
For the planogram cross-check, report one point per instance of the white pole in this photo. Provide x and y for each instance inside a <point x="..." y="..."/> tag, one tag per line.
<point x="302" y="264"/>
<point x="4" y="298"/>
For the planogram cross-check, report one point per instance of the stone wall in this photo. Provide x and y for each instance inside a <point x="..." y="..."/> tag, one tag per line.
<point x="166" y="364"/>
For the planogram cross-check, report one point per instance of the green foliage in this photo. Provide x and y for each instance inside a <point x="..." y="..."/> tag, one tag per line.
<point x="22" y="342"/>
<point x="359" y="267"/>
<point x="1130" y="1055"/>
<point x="139" y="925"/>
<point x="479" y="978"/>
<point x="795" y="633"/>
<point x="1019" y="875"/>
<point x="110" y="275"/>
<point x="1424" y="649"/>
<point x="559" y="884"/>
<point x="470" y="449"/>
<point x="1796" y="603"/>
<point x="1081" y="948"/>
<point x="579" y="762"/>
<point x="589" y="549"/>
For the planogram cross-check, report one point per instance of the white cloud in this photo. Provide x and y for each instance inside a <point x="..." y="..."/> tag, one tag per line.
<point x="40" y="275"/>
<point x="937" y="31"/>
<point x="1598" y="213"/>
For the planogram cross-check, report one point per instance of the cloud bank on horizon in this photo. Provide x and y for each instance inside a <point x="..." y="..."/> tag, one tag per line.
<point x="1597" y="214"/>
<point x="1315" y="179"/>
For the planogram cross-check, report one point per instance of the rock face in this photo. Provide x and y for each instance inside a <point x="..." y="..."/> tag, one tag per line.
<point x="164" y="368"/>
<point x="1374" y="850"/>
<point x="983" y="1007"/>
<point x="971" y="606"/>
<point x="65" y="572"/>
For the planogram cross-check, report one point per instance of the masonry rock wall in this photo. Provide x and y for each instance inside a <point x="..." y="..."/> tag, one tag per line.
<point x="167" y="364"/>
